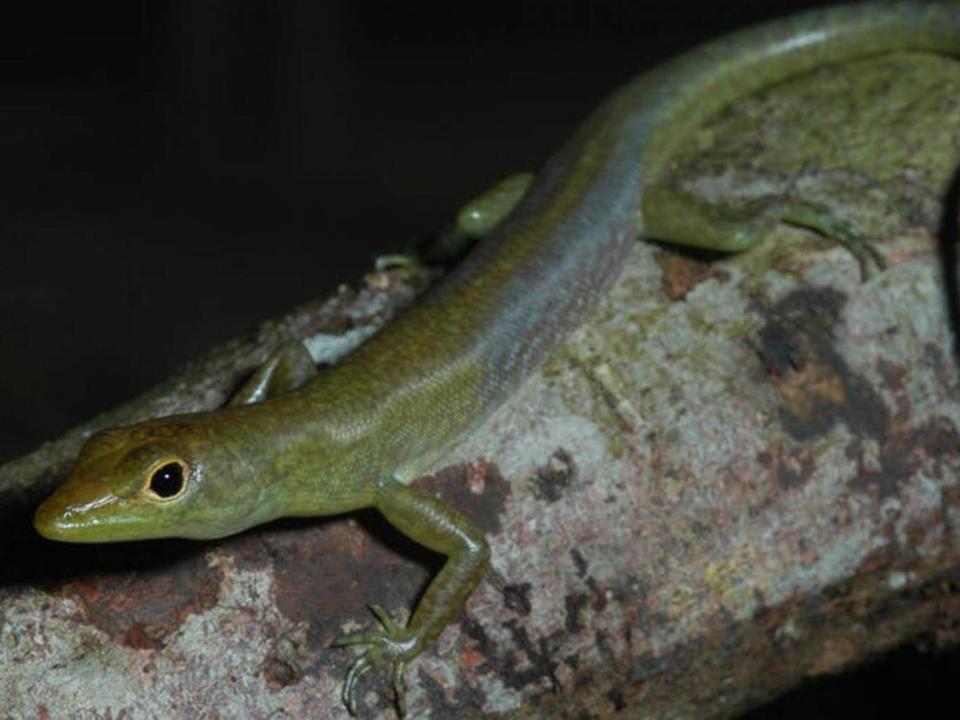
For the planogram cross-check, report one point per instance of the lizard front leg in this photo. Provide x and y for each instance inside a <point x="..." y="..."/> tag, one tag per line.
<point x="439" y="527"/>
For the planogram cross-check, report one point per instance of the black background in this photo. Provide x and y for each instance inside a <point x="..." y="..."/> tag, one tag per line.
<point x="174" y="172"/>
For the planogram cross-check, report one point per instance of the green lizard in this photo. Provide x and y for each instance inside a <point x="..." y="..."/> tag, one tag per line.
<point x="294" y="443"/>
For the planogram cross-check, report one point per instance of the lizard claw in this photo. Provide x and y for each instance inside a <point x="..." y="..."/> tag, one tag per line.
<point x="862" y="250"/>
<point x="819" y="219"/>
<point x="392" y="645"/>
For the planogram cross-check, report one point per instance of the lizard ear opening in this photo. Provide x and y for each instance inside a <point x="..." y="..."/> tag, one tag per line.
<point x="167" y="480"/>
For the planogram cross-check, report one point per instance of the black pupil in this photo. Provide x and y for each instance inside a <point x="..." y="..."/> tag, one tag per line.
<point x="168" y="480"/>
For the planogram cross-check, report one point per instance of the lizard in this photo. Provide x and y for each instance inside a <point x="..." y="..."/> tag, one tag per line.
<point x="295" y="442"/>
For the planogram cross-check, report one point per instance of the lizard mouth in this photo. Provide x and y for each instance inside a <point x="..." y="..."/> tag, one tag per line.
<point x="59" y="519"/>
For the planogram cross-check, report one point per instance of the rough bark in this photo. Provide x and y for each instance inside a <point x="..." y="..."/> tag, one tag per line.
<point x="740" y="474"/>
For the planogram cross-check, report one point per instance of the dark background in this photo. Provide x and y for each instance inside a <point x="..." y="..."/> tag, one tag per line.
<point x="174" y="172"/>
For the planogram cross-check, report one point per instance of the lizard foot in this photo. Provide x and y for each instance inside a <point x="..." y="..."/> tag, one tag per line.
<point x="392" y="645"/>
<point x="819" y="219"/>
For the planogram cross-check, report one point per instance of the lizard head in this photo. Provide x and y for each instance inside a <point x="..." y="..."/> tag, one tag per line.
<point x="171" y="477"/>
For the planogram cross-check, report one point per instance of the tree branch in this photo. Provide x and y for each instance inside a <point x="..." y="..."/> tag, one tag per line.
<point x="739" y="475"/>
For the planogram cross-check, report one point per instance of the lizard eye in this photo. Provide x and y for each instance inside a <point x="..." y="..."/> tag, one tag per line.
<point x="167" y="481"/>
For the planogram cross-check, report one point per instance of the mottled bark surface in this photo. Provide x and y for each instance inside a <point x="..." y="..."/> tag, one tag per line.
<point x="740" y="474"/>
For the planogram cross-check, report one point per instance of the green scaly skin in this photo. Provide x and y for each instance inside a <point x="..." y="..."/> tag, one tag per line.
<point x="296" y="444"/>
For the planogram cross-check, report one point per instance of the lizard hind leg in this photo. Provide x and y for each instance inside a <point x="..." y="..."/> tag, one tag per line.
<point x="681" y="218"/>
<point x="475" y="220"/>
<point x="479" y="217"/>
